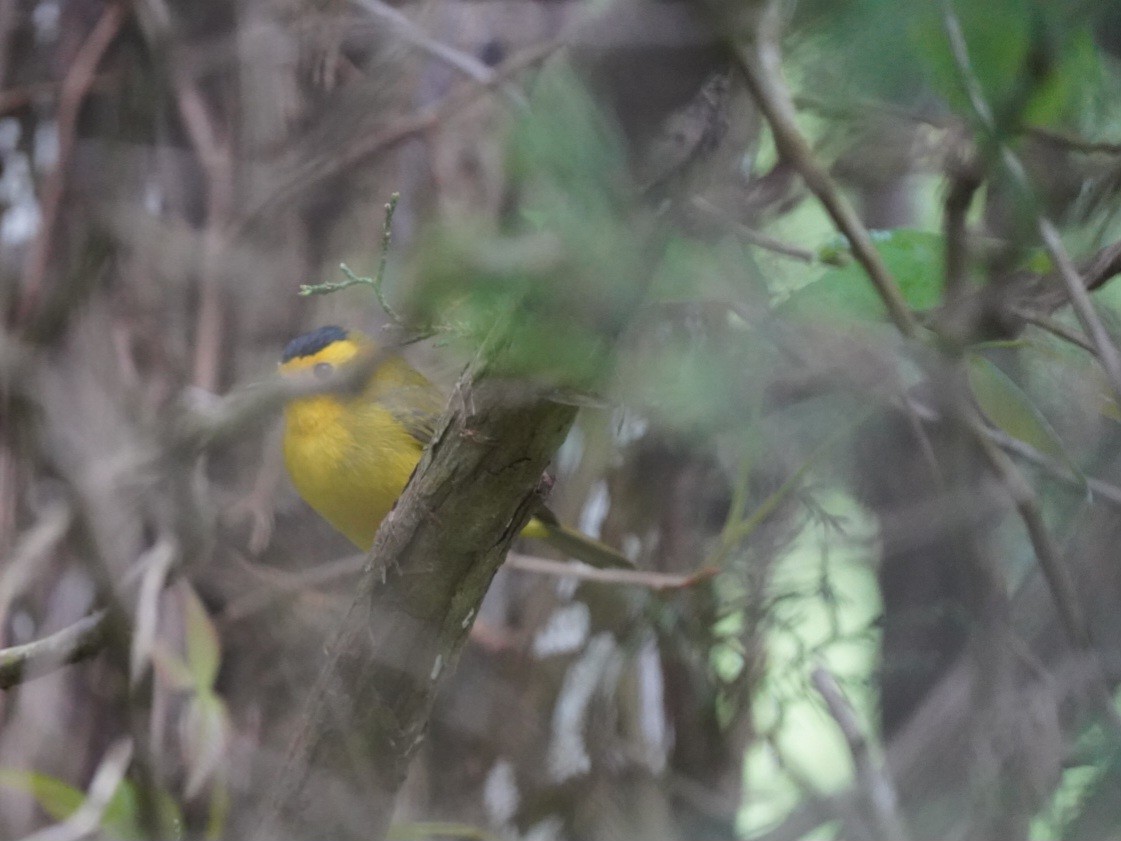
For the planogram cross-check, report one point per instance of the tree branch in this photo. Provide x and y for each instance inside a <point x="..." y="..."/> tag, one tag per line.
<point x="1076" y="286"/>
<point x="877" y="786"/>
<point x="79" y="641"/>
<point x="758" y="52"/>
<point x="429" y="569"/>
<point x="80" y="78"/>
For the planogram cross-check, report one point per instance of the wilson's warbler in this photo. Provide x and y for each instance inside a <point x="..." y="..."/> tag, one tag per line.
<point x="350" y="456"/>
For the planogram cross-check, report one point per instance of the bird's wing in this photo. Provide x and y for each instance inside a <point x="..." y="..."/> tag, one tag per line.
<point x="415" y="408"/>
<point x="408" y="396"/>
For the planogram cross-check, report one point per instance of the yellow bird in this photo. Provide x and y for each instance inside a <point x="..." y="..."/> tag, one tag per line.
<point x="350" y="455"/>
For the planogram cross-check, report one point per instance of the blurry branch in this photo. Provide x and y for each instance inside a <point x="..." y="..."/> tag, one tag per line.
<point x="106" y="780"/>
<point x="216" y="160"/>
<point x="79" y="641"/>
<point x="75" y="86"/>
<point x="630" y="577"/>
<point x="1058" y="575"/>
<point x="964" y="176"/>
<point x="279" y="584"/>
<point x="760" y="58"/>
<point x="15" y="99"/>
<point x="155" y="564"/>
<point x="739" y="525"/>
<point x="1074" y="143"/>
<point x="318" y="170"/>
<point x="1103" y="266"/>
<point x="860" y="110"/>
<point x="1040" y="296"/>
<point x="874" y="780"/>
<point x="1052" y="326"/>
<point x="753" y="237"/>
<point x="31" y="551"/>
<point x="1098" y="488"/>
<point x="466" y="64"/>
<point x="424" y="830"/>
<point x="220" y="420"/>
<point x="1075" y="286"/>
<point x="930" y="745"/>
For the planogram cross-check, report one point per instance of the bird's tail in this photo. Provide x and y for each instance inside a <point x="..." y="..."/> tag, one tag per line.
<point x="575" y="544"/>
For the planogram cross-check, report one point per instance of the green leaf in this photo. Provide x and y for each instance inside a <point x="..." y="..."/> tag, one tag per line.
<point x="1040" y="67"/>
<point x="171" y="668"/>
<point x="58" y="799"/>
<point x="914" y="258"/>
<point x="204" y="653"/>
<point x="121" y="818"/>
<point x="1009" y="408"/>
<point x="204" y="729"/>
<point x="122" y="815"/>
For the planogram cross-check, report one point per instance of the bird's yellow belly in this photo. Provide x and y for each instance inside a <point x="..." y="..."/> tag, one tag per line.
<point x="351" y="481"/>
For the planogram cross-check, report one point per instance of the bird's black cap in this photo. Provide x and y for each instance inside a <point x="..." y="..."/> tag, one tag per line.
<point x="312" y="342"/>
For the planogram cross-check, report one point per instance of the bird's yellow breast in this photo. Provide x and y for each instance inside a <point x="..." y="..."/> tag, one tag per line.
<point x="349" y="461"/>
<point x="349" y="456"/>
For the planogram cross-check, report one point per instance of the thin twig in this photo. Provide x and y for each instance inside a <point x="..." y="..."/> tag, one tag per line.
<point x="761" y="60"/>
<point x="1058" y="576"/>
<point x="215" y="159"/>
<point x="656" y="581"/>
<point x="202" y="427"/>
<point x="323" y="168"/>
<point x="1100" y="489"/>
<point x="79" y="80"/>
<point x="377" y="281"/>
<point x="871" y="777"/>
<point x="1083" y="307"/>
<point x="1055" y="328"/>
<point x="752" y="236"/>
<point x="76" y="642"/>
<point x="32" y="550"/>
<point x="1075" y="286"/>
<point x="964" y="179"/>
<point x="279" y="584"/>
<point x="1073" y="143"/>
<point x="860" y="110"/>
<point x="458" y="60"/>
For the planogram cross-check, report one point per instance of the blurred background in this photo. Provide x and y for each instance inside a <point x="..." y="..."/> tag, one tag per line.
<point x="875" y="524"/>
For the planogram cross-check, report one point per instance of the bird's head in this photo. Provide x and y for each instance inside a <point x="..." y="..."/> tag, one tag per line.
<point x="321" y="351"/>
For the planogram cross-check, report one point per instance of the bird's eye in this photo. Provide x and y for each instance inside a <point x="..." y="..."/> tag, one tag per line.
<point x="322" y="370"/>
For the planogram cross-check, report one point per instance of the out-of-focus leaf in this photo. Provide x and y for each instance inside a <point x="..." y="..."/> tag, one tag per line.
<point x="219" y="811"/>
<point x="122" y="815"/>
<point x="562" y="270"/>
<point x="172" y="668"/>
<point x="121" y="818"/>
<point x="914" y="259"/>
<point x="204" y="653"/>
<point x="437" y="829"/>
<point x="204" y="729"/>
<point x="1006" y="405"/>
<point x="1041" y="67"/>
<point x="58" y="799"/>
<point x="1036" y="62"/>
<point x="564" y="141"/>
<point x="1109" y="407"/>
<point x="156" y="563"/>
